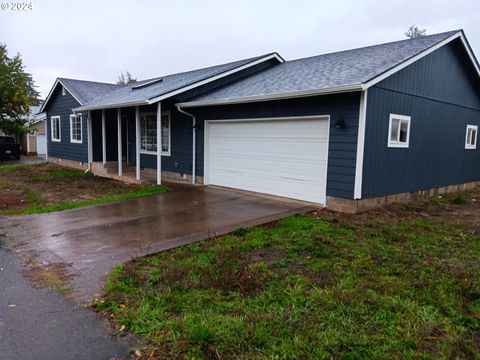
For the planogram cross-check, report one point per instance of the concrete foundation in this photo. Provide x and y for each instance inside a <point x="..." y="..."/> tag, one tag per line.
<point x="110" y="170"/>
<point x="80" y="165"/>
<point x="355" y="206"/>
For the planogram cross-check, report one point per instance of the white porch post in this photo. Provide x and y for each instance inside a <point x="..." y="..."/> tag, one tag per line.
<point x="104" y="140"/>
<point x="137" y="141"/>
<point x="159" y="143"/>
<point x="119" y="141"/>
<point x="46" y="139"/>
<point x="89" y="140"/>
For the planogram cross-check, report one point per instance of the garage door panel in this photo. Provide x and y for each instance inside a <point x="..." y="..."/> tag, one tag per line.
<point x="310" y="147"/>
<point x="277" y="167"/>
<point x="286" y="158"/>
<point x="281" y="157"/>
<point x="290" y="188"/>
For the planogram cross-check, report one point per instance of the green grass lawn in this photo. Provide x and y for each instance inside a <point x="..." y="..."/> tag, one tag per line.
<point x="399" y="283"/>
<point x="42" y="188"/>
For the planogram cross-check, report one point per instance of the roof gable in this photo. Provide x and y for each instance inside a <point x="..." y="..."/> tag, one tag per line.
<point x="455" y="81"/>
<point x="82" y="91"/>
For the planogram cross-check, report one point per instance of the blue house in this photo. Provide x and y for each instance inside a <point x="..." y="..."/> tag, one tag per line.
<point x="349" y="130"/>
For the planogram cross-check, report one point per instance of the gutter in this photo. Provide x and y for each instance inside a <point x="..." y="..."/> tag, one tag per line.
<point x="291" y="95"/>
<point x="112" y="106"/>
<point x="194" y="140"/>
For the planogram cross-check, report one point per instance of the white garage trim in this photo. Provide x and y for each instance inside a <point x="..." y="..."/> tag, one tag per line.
<point x="207" y="138"/>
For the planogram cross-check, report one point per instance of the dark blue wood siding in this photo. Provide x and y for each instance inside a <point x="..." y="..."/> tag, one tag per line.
<point x="62" y="105"/>
<point x="180" y="159"/>
<point x="441" y="94"/>
<point x="343" y="142"/>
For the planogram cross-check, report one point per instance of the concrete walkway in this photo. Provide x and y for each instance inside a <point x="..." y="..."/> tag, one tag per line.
<point x="24" y="160"/>
<point x="42" y="324"/>
<point x="93" y="240"/>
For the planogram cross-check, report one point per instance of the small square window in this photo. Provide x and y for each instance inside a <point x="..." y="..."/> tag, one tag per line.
<point x="399" y="131"/>
<point x="471" y="137"/>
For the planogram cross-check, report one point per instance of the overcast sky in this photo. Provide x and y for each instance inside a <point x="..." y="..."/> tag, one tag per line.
<point x="96" y="40"/>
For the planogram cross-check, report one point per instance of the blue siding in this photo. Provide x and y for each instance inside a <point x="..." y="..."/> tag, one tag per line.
<point x="343" y="142"/>
<point x="62" y="106"/>
<point x="441" y="94"/>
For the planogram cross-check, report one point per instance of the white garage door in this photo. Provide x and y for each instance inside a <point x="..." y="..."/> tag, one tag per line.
<point x="41" y="144"/>
<point x="279" y="157"/>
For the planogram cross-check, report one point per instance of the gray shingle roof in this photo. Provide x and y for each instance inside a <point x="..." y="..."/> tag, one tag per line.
<point x="85" y="91"/>
<point x="169" y="83"/>
<point x="339" y="69"/>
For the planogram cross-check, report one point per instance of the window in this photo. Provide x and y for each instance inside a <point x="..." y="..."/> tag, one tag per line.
<point x="471" y="137"/>
<point x="76" y="128"/>
<point x="148" y="131"/>
<point x="399" y="131"/>
<point x="63" y="90"/>
<point x="55" y="125"/>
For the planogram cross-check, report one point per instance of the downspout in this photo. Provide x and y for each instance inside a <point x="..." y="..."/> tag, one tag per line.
<point x="89" y="144"/>
<point x="194" y="140"/>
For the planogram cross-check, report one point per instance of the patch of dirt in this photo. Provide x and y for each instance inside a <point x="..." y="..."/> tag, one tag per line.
<point x="12" y="200"/>
<point x="53" y="275"/>
<point x="15" y="183"/>
<point x="441" y="208"/>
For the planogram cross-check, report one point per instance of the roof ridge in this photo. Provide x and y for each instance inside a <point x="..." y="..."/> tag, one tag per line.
<point x="89" y="81"/>
<point x="376" y="45"/>
<point x="250" y="59"/>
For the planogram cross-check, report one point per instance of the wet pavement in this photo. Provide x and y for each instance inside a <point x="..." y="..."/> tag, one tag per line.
<point x="93" y="240"/>
<point x="43" y="324"/>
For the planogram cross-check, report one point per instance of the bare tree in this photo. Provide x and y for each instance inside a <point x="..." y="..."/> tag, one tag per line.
<point x="124" y="79"/>
<point x="414" y="32"/>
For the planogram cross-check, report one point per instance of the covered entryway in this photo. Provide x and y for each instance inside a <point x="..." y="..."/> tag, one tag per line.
<point x="285" y="157"/>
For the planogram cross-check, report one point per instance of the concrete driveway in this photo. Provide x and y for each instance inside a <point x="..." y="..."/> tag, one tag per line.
<point x="92" y="240"/>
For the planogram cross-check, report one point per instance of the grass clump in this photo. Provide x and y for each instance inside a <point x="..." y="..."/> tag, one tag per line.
<point x="64" y="173"/>
<point x="460" y="200"/>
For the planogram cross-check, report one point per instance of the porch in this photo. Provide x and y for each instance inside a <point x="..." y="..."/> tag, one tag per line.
<point x="134" y="144"/>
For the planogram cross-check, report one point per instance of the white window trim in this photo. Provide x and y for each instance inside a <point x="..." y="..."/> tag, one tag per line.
<point x="52" y="118"/>
<point x="72" y="140"/>
<point x="164" y="153"/>
<point x="397" y="144"/>
<point x="467" y="145"/>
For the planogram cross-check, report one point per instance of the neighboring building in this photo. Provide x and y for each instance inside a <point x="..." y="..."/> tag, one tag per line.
<point x="35" y="142"/>
<point x="349" y="130"/>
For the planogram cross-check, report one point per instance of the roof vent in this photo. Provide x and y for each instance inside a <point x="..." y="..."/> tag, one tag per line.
<point x="148" y="83"/>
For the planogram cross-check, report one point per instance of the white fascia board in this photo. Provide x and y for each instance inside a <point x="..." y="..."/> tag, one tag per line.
<point x="214" y="78"/>
<point x="362" y="119"/>
<point x="410" y="61"/>
<point x="470" y="54"/>
<point x="291" y="95"/>
<point x="57" y="81"/>
<point x="111" y="106"/>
